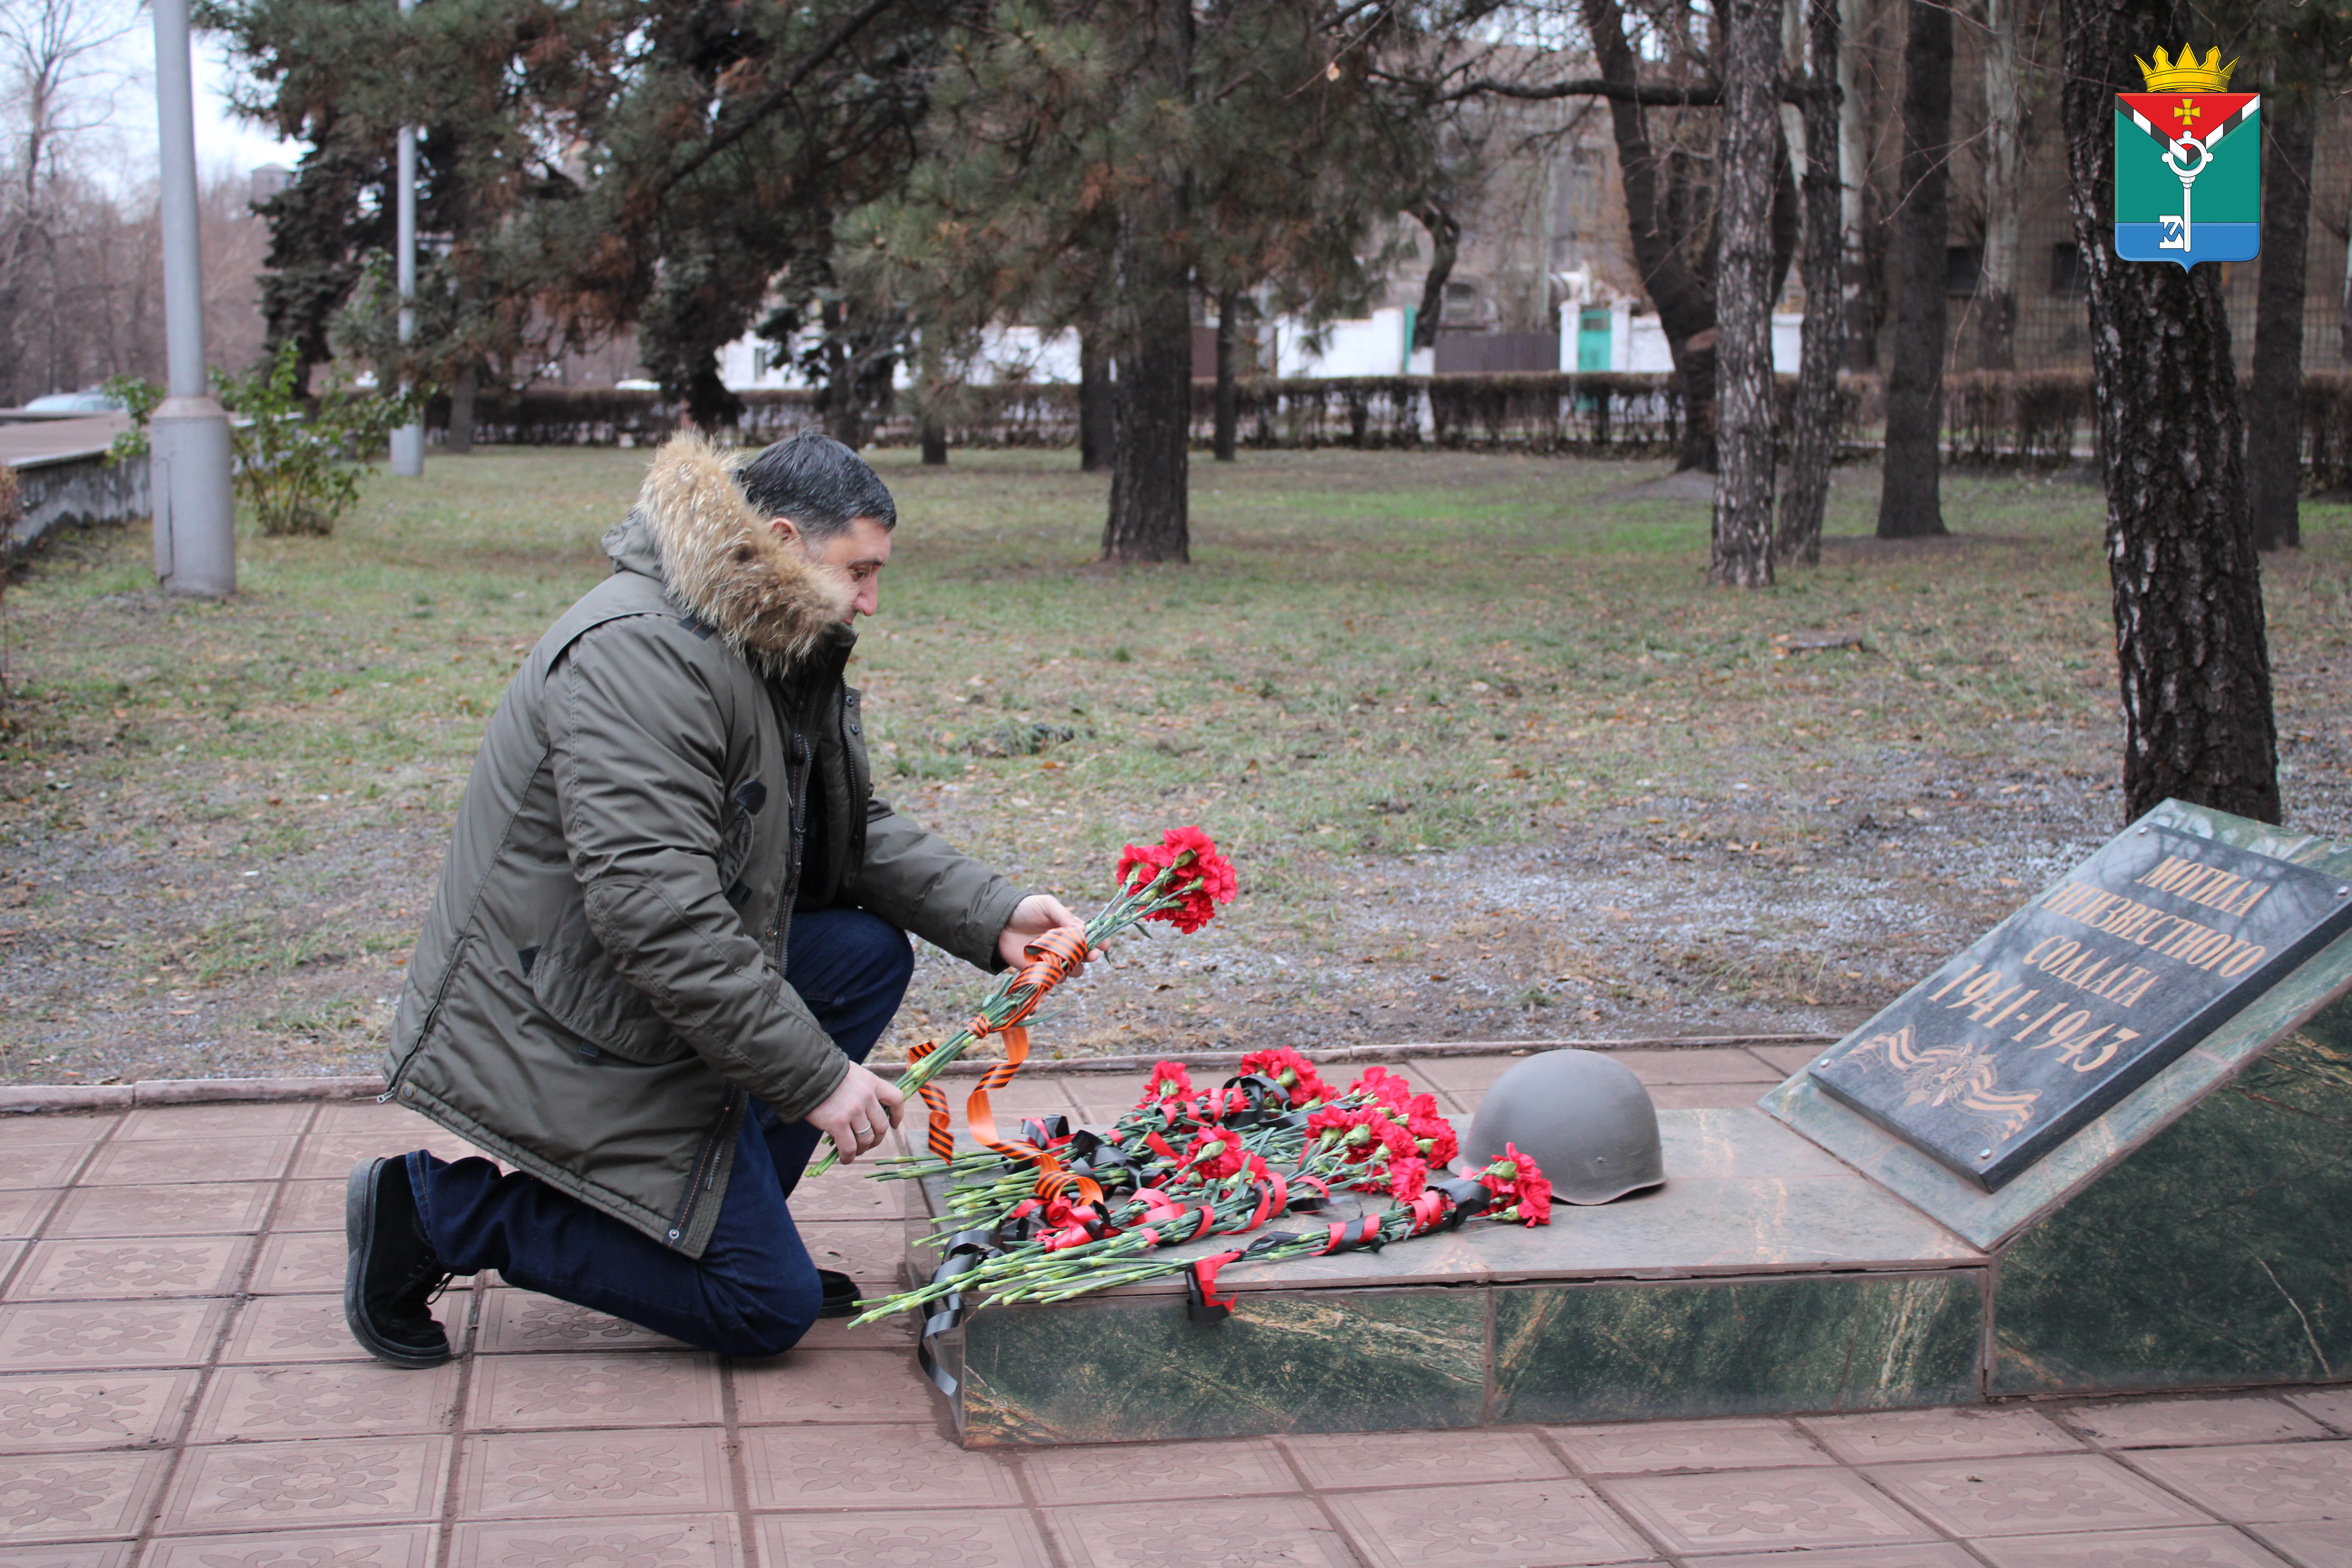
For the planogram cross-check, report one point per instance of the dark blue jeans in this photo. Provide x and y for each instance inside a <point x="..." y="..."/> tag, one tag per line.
<point x="753" y="1291"/>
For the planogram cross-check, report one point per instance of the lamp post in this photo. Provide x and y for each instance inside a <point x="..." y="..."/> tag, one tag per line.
<point x="408" y="440"/>
<point x="188" y="445"/>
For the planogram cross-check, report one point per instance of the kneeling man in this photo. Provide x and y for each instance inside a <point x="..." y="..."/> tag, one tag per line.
<point x="672" y="923"/>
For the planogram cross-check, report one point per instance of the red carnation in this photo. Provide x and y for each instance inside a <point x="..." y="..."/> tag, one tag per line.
<point x="1293" y="1071"/>
<point x="1407" y="1179"/>
<point x="1382" y="1085"/>
<point x="1520" y="1183"/>
<point x="1169" y="1080"/>
<point x="1212" y="1156"/>
<point x="1203" y="878"/>
<point x="1434" y="1132"/>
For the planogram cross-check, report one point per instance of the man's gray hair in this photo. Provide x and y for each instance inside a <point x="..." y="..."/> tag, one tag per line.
<point x="816" y="481"/>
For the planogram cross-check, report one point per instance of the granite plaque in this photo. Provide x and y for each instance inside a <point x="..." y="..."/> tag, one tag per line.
<point x="2081" y="996"/>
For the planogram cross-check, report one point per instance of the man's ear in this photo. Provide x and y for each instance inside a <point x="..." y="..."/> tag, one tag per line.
<point x="785" y="528"/>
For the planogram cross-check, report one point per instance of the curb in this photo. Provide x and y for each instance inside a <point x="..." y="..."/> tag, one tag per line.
<point x="38" y="1099"/>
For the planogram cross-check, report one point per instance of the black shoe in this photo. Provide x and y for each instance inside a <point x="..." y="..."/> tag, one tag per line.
<point x="841" y="1298"/>
<point x="393" y="1276"/>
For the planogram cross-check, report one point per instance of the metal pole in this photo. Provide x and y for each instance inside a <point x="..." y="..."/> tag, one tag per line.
<point x="408" y="441"/>
<point x="189" y="464"/>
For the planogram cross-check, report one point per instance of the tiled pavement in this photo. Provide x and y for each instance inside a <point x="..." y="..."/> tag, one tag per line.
<point x="178" y="1391"/>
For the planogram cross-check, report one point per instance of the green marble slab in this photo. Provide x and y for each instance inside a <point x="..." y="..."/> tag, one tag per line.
<point x="1135" y="1370"/>
<point x="2216" y="1255"/>
<point x="1617" y="1353"/>
<point x="1988" y="1219"/>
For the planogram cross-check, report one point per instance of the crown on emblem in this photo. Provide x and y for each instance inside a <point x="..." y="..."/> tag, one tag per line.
<point x="2183" y="74"/>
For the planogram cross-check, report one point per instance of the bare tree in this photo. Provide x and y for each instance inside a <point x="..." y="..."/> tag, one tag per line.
<point x="1742" y="553"/>
<point x="2004" y="159"/>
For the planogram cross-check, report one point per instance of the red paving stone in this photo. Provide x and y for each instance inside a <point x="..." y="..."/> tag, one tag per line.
<point x="177" y="1390"/>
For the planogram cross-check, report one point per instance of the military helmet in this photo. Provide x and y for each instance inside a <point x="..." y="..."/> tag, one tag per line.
<point x="1585" y="1119"/>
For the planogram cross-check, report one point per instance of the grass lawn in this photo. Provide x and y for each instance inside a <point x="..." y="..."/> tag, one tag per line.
<point x="1493" y="759"/>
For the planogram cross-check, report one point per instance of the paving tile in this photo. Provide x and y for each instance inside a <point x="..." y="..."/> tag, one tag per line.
<point x="112" y="1337"/>
<point x="840" y="1195"/>
<point x="84" y="1129"/>
<point x="1710" y="1096"/>
<point x="2211" y="1546"/>
<point x="248" y="1403"/>
<point x="871" y="1466"/>
<point x="835" y="1334"/>
<point x="678" y="1541"/>
<point x="1686" y="1445"/>
<point x="248" y="1485"/>
<point x="67" y="1497"/>
<point x="393" y="1122"/>
<point x="558" y="1475"/>
<point x="2170" y="1423"/>
<point x="40" y="1165"/>
<point x="55" y="1413"/>
<point x="81" y="1554"/>
<point x="968" y="1538"/>
<point x="2333" y="1405"/>
<point x="1473" y="1073"/>
<point x="121" y="1165"/>
<point x="2271" y="1484"/>
<point x="1161" y="1534"/>
<point x="300" y="1262"/>
<point x="1787" y="1060"/>
<point x="213" y="1208"/>
<point x="362" y="1546"/>
<point x="331" y="1155"/>
<point x="2311" y="1545"/>
<point x="2040" y="1494"/>
<point x="310" y="1205"/>
<point x="1400" y="1458"/>
<point x="834" y="1386"/>
<point x="1883" y="1435"/>
<point x="869" y="1253"/>
<point x="101" y="1271"/>
<point x="515" y="1320"/>
<point x="281" y="1120"/>
<point x="22" y="1209"/>
<point x="1760" y="1509"/>
<point x="1532" y="1524"/>
<point x="1076" y="1475"/>
<point x="1720" y="1064"/>
<point x="1937" y="1556"/>
<point x="597" y="1390"/>
<point x="274" y="1329"/>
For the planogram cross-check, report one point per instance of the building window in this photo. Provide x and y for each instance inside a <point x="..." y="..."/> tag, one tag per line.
<point x="1963" y="264"/>
<point x="2066" y="268"/>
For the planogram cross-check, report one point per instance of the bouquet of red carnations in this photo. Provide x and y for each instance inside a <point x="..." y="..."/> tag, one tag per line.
<point x="1180" y="881"/>
<point x="1069" y="1212"/>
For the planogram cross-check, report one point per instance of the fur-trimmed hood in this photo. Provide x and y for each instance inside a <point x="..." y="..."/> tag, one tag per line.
<point x="693" y="529"/>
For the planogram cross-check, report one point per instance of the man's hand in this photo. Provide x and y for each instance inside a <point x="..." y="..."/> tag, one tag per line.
<point x="1032" y="917"/>
<point x="856" y="1113"/>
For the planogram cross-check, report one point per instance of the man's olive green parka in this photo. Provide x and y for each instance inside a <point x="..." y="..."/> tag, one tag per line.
<point x="598" y="986"/>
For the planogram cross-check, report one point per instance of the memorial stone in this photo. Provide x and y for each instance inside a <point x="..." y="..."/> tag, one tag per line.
<point x="2081" y="996"/>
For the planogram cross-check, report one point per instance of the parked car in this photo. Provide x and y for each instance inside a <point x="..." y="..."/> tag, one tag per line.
<point x="91" y="402"/>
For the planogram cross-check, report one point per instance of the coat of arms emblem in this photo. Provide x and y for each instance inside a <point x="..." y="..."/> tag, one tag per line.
<point x="2189" y="165"/>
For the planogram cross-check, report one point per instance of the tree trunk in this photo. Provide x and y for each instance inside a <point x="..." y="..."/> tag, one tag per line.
<point x="1807" y="496"/>
<point x="1749" y="159"/>
<point x="2004" y="158"/>
<point x="462" y="394"/>
<point x="933" y="435"/>
<point x="1685" y="302"/>
<point x="1093" y="402"/>
<point x="1857" y="315"/>
<point x="2192" y="649"/>
<point x="1445" y="245"/>
<point x="1228" y="402"/>
<point x="1909" y="506"/>
<point x="2273" y="397"/>
<point x="1152" y="404"/>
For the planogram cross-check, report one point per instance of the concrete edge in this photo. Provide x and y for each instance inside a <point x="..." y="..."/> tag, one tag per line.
<point x="36" y="1099"/>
